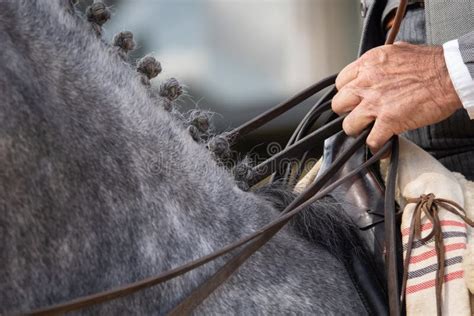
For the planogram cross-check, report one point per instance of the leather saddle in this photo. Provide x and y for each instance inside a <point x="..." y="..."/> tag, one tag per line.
<point x="363" y="201"/>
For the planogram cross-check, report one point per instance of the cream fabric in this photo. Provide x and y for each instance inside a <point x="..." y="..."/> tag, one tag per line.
<point x="468" y="262"/>
<point x="308" y="178"/>
<point x="419" y="173"/>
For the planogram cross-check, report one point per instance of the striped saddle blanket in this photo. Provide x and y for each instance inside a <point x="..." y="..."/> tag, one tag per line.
<point x="420" y="174"/>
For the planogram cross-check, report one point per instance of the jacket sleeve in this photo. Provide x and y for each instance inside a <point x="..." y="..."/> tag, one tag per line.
<point x="459" y="57"/>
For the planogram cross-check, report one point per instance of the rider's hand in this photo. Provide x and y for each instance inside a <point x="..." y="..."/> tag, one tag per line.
<point x="401" y="87"/>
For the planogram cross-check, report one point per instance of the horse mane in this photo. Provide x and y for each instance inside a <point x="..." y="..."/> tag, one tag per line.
<point x="325" y="223"/>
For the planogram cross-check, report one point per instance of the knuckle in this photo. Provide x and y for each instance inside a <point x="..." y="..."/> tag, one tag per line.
<point x="382" y="55"/>
<point x="378" y="55"/>
<point x="335" y="103"/>
<point x="387" y="117"/>
<point x="343" y="101"/>
<point x="336" y="107"/>
<point x="371" y="54"/>
<point x="373" y="142"/>
<point x="371" y="107"/>
<point x="347" y="126"/>
<point x="368" y="54"/>
<point x="339" y="82"/>
<point x="362" y="81"/>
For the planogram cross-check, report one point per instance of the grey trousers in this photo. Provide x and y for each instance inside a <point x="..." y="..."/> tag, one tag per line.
<point x="450" y="141"/>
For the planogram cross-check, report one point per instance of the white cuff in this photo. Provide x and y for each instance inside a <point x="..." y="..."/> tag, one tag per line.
<point x="460" y="76"/>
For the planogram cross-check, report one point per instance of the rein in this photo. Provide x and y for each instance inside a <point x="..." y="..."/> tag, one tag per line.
<point x="298" y="144"/>
<point x="265" y="233"/>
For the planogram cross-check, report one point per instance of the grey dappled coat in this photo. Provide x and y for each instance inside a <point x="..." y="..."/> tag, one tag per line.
<point x="99" y="187"/>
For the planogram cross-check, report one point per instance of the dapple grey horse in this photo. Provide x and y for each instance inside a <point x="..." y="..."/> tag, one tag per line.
<point x="101" y="186"/>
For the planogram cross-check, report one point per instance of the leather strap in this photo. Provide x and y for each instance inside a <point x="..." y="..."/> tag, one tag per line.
<point x="319" y="108"/>
<point x="401" y="10"/>
<point x="261" y="236"/>
<point x="248" y="127"/>
<point x="390" y="220"/>
<point x="390" y="18"/>
<point x="315" y="140"/>
<point x="322" y="107"/>
<point x="306" y="198"/>
<point x="209" y="286"/>
<point x="391" y="234"/>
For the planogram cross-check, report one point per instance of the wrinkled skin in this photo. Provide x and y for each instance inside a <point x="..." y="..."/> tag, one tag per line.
<point x="399" y="87"/>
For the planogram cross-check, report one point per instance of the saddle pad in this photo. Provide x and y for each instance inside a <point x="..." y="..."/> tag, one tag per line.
<point x="419" y="173"/>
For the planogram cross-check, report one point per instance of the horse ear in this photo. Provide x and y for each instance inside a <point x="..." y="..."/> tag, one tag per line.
<point x="97" y="14"/>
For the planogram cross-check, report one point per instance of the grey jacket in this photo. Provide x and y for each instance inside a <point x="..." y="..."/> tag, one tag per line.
<point x="450" y="141"/>
<point x="445" y="20"/>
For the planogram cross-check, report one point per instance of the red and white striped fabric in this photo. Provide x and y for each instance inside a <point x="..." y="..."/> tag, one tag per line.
<point x="419" y="173"/>
<point x="420" y="290"/>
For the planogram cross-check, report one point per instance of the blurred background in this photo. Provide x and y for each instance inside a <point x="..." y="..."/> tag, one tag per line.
<point x="241" y="57"/>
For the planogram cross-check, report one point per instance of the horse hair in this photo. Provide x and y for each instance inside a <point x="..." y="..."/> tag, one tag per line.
<point x="101" y="185"/>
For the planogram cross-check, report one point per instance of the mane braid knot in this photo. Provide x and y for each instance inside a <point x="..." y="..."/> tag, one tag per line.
<point x="97" y="13"/>
<point x="149" y="67"/>
<point x="219" y="147"/>
<point x="125" y="43"/>
<point x="171" y="89"/>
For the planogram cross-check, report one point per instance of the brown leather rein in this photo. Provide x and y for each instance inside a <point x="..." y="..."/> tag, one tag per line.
<point x="256" y="240"/>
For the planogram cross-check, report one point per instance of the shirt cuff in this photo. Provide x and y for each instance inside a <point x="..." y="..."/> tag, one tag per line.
<point x="460" y="76"/>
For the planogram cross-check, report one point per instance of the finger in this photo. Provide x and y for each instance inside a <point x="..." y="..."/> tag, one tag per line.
<point x="344" y="101"/>
<point x="378" y="136"/>
<point x="357" y="120"/>
<point x="347" y="74"/>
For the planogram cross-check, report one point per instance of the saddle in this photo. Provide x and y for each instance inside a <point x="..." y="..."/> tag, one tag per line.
<point x="363" y="201"/>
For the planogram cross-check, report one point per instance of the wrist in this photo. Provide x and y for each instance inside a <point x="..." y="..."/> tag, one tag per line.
<point x="448" y="96"/>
